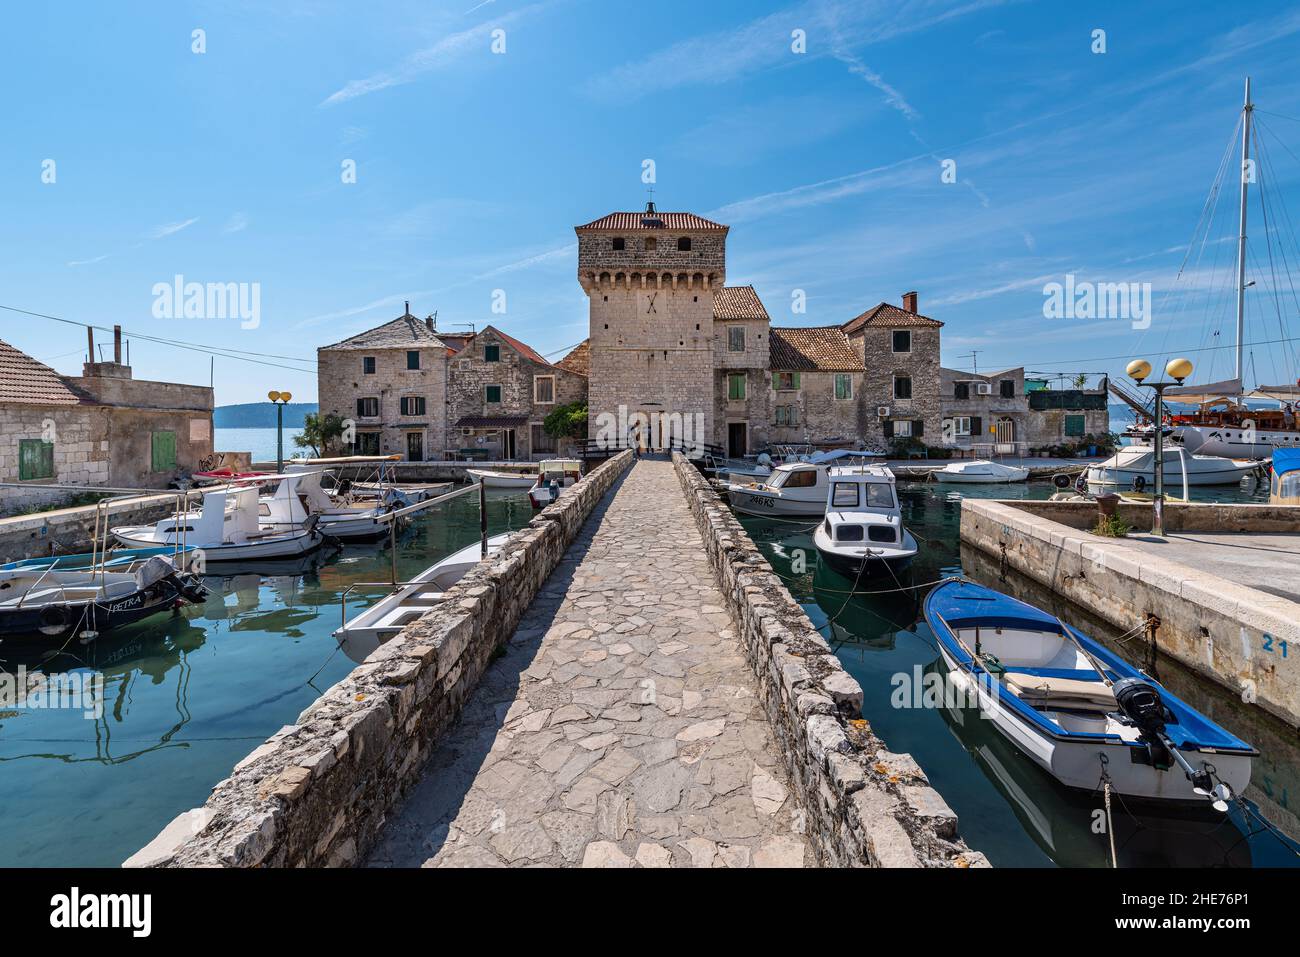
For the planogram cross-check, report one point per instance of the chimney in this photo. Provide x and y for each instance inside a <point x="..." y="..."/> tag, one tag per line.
<point x="408" y="308"/>
<point x="90" y="344"/>
<point x="428" y="323"/>
<point x="909" y="301"/>
<point x="117" y="344"/>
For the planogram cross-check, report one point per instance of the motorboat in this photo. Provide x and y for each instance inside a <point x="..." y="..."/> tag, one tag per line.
<point x="365" y="632"/>
<point x="1134" y="465"/>
<point x="48" y="600"/>
<point x="225" y="528"/>
<point x="982" y="472"/>
<point x="862" y="534"/>
<point x="1077" y="710"/>
<point x="298" y="495"/>
<point x="1284" y="486"/>
<point x="796" y="488"/>
<point x="492" y="478"/>
<point x="553" y="477"/>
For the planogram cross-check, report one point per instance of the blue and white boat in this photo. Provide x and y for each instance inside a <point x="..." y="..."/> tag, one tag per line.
<point x="1077" y="710"/>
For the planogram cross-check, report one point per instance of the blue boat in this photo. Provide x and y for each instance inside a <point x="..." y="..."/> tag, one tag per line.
<point x="1077" y="710"/>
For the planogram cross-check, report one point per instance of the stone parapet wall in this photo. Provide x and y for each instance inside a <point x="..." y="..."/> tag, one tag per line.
<point x="865" y="806"/>
<point x="318" y="792"/>
<point x="1179" y="516"/>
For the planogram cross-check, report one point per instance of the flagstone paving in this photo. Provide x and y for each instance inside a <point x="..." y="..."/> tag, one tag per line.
<point x="620" y="728"/>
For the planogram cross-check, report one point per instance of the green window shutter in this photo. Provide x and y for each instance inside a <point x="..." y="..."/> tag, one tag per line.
<point x="889" y="428"/>
<point x="35" y="459"/>
<point x="494" y="393"/>
<point x="918" y="428"/>
<point x="795" y="381"/>
<point x="163" y="449"/>
<point x="1074" y="425"/>
<point x="776" y="381"/>
<point x="735" y="387"/>
<point x="976" y="426"/>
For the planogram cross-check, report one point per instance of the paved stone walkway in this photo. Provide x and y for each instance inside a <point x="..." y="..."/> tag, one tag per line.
<point x="621" y="727"/>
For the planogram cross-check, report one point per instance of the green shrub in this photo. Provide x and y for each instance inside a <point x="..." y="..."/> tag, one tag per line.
<point x="1111" y="526"/>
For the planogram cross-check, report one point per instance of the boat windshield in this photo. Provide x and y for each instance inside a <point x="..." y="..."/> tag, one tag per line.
<point x="872" y="495"/>
<point x="793" y="478"/>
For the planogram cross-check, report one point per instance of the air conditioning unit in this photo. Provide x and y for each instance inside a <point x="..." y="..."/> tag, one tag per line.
<point x="882" y="411"/>
<point x="983" y="388"/>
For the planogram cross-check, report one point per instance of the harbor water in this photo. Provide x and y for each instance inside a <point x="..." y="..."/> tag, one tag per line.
<point x="186" y="695"/>
<point x="1007" y="807"/>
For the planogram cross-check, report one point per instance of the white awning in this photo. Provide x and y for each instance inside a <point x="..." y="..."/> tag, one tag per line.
<point x="1228" y="388"/>
<point x="1279" y="393"/>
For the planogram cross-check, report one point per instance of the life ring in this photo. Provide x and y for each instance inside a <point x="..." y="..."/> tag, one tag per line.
<point x="1139" y="483"/>
<point x="54" y="620"/>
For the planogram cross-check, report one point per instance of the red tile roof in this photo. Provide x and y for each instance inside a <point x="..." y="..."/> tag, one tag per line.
<point x="525" y="350"/>
<point x="23" y="379"/>
<point x="812" y="349"/>
<point x="579" y="358"/>
<point x="886" y="315"/>
<point x="655" y="220"/>
<point x="738" y="302"/>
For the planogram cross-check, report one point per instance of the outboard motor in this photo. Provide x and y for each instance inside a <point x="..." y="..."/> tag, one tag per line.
<point x="1140" y="702"/>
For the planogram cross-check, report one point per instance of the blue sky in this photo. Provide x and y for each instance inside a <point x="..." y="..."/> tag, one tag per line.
<point x="472" y="167"/>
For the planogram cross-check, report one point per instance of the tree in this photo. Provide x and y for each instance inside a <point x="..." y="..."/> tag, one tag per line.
<point x="320" y="432"/>
<point x="567" y="421"/>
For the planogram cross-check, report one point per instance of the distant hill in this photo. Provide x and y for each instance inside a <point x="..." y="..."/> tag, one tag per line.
<point x="259" y="415"/>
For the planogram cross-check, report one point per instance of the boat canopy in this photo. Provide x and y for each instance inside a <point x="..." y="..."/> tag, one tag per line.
<point x="825" y="458"/>
<point x="1227" y="389"/>
<point x="1278" y="393"/>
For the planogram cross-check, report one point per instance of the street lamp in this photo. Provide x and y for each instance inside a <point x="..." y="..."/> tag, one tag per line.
<point x="280" y="399"/>
<point x="1178" y="370"/>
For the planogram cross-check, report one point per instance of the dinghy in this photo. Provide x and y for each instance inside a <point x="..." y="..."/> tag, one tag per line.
<point x="366" y="631"/>
<point x="553" y="477"/>
<point x="982" y="472"/>
<point x="494" y="479"/>
<point x="55" y="602"/>
<point x="863" y="534"/>
<point x="1081" y="713"/>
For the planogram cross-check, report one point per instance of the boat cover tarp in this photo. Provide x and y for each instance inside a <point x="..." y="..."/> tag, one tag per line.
<point x="1285" y="460"/>
<point x="1228" y="388"/>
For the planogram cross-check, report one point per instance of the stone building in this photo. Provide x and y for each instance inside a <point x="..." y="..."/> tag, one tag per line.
<point x="650" y="280"/>
<point x="103" y="428"/>
<point x="742" y="381"/>
<point x="816" y="387"/>
<point x="900" y="350"/>
<point x="499" y="392"/>
<point x="1065" y="410"/>
<point x="390" y="383"/>
<point x="980" y="409"/>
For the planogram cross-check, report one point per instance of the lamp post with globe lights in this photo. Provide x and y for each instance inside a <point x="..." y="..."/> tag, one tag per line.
<point x="280" y="399"/>
<point x="1177" y="370"/>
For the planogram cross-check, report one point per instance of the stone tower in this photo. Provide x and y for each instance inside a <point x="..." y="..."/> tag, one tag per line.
<point x="650" y="278"/>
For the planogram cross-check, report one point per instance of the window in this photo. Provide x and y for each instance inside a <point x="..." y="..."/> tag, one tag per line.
<point x="843" y="385"/>
<point x="960" y="425"/>
<point x="684" y="244"/>
<point x="1075" y="425"/>
<point x="162" y="451"/>
<point x="616" y="243"/>
<point x="882" y="533"/>
<point x="844" y="495"/>
<point x="35" y="459"/>
<point x="902" y="428"/>
<point x="880" y="495"/>
<point x="787" y="415"/>
<point x="491" y="353"/>
<point x="367" y="443"/>
<point x="492" y="393"/>
<point x="736" y="386"/>
<point x="735" y="338"/>
<point x="902" y="340"/>
<point x="804" y="478"/>
<point x="1008" y="387"/>
<point x="785" y="381"/>
<point x="544" y="389"/>
<point x="367" y="408"/>
<point x="412" y="405"/>
<point x="651" y="244"/>
<point x="902" y="387"/>
<point x="542" y="442"/>
<point x="848" y="533"/>
<point x="367" y="365"/>
<point x="412" y="359"/>
<point x="961" y="390"/>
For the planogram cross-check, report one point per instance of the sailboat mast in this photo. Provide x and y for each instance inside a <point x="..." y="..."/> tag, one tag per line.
<point x="1241" y="238"/>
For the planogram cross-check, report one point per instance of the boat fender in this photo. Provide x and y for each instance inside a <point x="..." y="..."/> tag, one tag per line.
<point x="1061" y="480"/>
<point x="54" y="619"/>
<point x="1139" y="483"/>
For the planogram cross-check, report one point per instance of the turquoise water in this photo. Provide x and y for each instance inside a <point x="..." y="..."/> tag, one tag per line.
<point x="1007" y="807"/>
<point x="188" y="695"/>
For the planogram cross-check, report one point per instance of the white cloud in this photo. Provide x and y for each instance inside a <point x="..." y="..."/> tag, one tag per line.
<point x="169" y="229"/>
<point x="237" y="223"/>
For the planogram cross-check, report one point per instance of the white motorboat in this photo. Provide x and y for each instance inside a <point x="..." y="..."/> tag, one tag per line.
<point x="365" y="632"/>
<point x="982" y="472"/>
<point x="297" y="495"/>
<point x="494" y="479"/>
<point x="796" y="488"/>
<point x="1134" y="466"/>
<point x="1077" y="710"/>
<point x="863" y="533"/>
<point x="553" y="477"/>
<point x="225" y="528"/>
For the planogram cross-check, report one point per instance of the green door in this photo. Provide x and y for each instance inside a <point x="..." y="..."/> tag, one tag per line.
<point x="164" y="451"/>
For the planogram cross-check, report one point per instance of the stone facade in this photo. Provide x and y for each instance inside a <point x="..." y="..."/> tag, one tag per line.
<point x="1066" y="416"/>
<point x="499" y="393"/>
<point x="975" y="405"/>
<point x="900" y="349"/>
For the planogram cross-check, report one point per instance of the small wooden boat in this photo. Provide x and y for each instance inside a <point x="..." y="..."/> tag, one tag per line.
<point x="1077" y="710"/>
<point x="55" y="602"/>
<point x="863" y="534"/>
<point x="982" y="472"/>
<point x="553" y="477"/>
<point x="494" y="479"/>
<point x="364" y="632"/>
